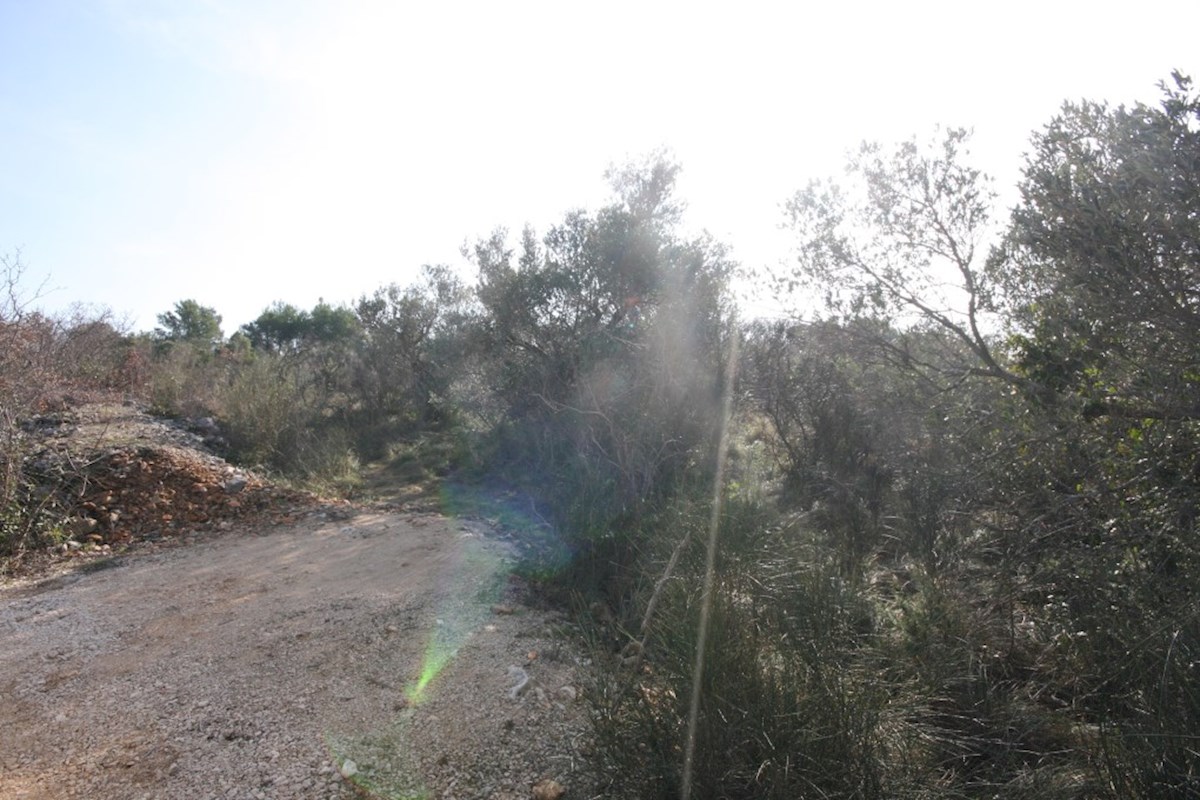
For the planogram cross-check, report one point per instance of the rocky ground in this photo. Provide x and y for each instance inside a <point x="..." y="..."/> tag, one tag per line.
<point x="204" y="634"/>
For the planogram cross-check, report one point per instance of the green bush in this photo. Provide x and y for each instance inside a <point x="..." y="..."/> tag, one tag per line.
<point x="272" y="417"/>
<point x="183" y="379"/>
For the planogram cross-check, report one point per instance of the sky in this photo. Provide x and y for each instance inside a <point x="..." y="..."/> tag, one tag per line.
<point x="243" y="152"/>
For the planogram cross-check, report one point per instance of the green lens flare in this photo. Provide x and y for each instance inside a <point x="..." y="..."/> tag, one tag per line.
<point x="472" y="580"/>
<point x="477" y="576"/>
<point x="437" y="656"/>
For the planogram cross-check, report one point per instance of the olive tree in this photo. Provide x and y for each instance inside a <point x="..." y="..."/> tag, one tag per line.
<point x="1101" y="270"/>
<point x="403" y="362"/>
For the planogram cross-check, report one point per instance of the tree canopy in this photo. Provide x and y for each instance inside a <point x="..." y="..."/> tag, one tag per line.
<point x="1101" y="263"/>
<point x="190" y="322"/>
<point x="285" y="328"/>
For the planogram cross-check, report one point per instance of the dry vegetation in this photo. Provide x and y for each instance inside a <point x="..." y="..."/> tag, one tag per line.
<point x="957" y="553"/>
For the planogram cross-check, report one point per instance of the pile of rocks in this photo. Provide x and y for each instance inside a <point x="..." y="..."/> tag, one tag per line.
<point x="118" y="475"/>
<point x="153" y="492"/>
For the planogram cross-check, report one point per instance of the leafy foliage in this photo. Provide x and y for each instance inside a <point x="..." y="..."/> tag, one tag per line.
<point x="1102" y="260"/>
<point x="1078" y="435"/>
<point x="410" y="349"/>
<point x="901" y="243"/>
<point x="283" y="328"/>
<point x="603" y="341"/>
<point x="190" y="322"/>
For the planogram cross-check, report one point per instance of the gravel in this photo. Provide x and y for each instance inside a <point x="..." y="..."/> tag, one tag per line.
<point x="331" y="655"/>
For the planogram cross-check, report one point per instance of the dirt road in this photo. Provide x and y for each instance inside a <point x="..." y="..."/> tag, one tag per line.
<point x="313" y="660"/>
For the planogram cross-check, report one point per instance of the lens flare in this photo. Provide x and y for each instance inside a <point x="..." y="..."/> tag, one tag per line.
<point x="437" y="656"/>
<point x="378" y="762"/>
<point x="714" y="525"/>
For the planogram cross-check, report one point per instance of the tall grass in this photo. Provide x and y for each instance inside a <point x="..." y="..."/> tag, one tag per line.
<point x="897" y="682"/>
<point x="790" y="702"/>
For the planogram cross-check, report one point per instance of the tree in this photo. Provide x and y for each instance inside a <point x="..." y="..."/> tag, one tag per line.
<point x="330" y="324"/>
<point x="278" y="328"/>
<point x="1101" y="274"/>
<point x="403" y="366"/>
<point x="190" y="322"/>
<point x="604" y="341"/>
<point x="901" y="243"/>
<point x="1085" y="490"/>
<point x="1101" y="262"/>
<point x="284" y="328"/>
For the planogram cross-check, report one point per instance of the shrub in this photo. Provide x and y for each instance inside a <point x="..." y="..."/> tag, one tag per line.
<point x="791" y="704"/>
<point x="43" y="361"/>
<point x="272" y="416"/>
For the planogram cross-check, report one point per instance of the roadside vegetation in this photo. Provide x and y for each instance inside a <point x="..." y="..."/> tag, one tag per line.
<point x="957" y="546"/>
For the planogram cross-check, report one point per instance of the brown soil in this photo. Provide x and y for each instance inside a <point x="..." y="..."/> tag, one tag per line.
<point x="248" y="642"/>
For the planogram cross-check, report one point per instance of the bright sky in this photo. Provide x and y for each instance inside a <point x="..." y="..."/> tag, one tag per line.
<point x="240" y="152"/>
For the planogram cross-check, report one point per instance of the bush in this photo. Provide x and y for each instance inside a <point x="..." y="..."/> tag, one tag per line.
<point x="271" y="417"/>
<point x="29" y="516"/>
<point x="183" y="379"/>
